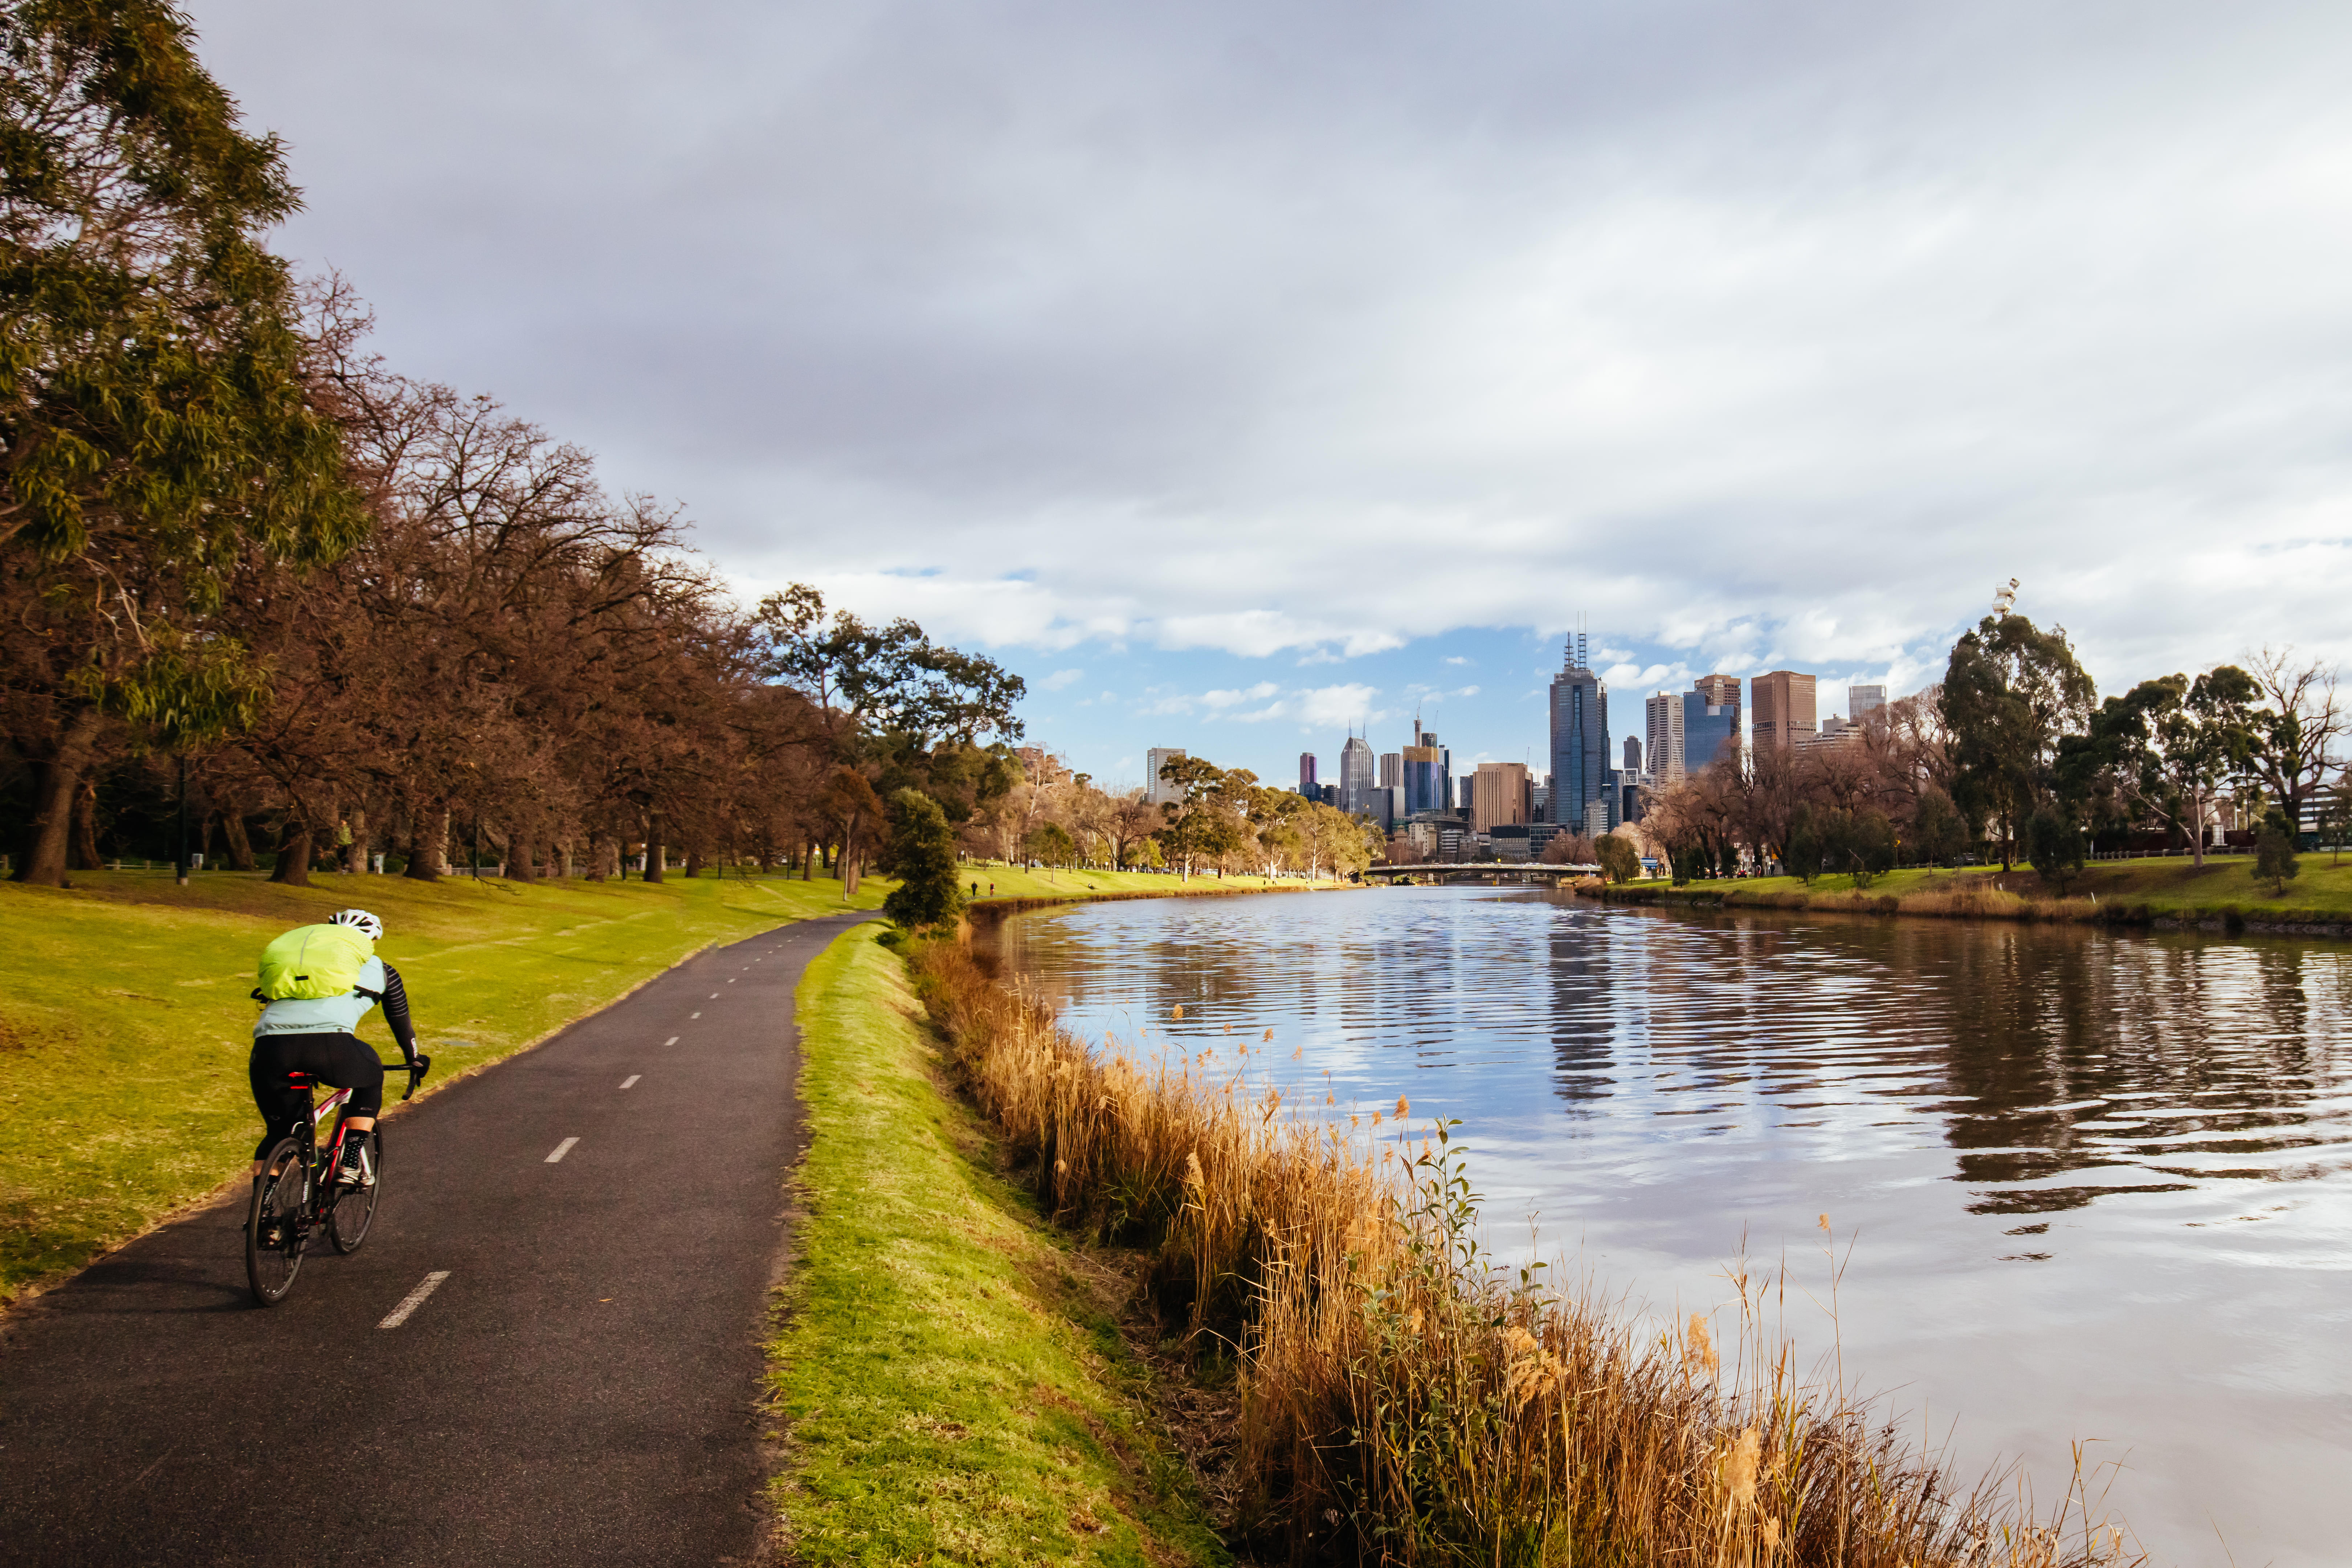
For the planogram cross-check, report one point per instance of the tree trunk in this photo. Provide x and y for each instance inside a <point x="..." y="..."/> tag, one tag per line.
<point x="428" y="842"/>
<point x="43" y="861"/>
<point x="293" y="866"/>
<point x="595" y="856"/>
<point x="693" y="862"/>
<point x="655" y="848"/>
<point x="355" y="851"/>
<point x="520" y="849"/>
<point x="240" y="847"/>
<point x="83" y="857"/>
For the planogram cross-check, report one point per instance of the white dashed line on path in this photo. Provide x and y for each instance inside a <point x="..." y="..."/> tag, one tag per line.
<point x="561" y="1150"/>
<point x="414" y="1299"/>
<point x="631" y="1079"/>
<point x="694" y="1014"/>
<point x="714" y="995"/>
<point x="731" y="980"/>
<point x="671" y="1041"/>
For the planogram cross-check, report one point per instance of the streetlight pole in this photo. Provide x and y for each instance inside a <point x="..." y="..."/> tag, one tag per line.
<point x="180" y="855"/>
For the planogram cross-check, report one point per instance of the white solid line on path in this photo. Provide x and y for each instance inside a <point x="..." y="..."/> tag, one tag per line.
<point x="631" y="1079"/>
<point x="671" y="1041"/>
<point x="414" y="1299"/>
<point x="561" y="1150"/>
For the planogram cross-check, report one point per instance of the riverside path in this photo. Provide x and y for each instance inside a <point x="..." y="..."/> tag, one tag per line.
<point x="599" y="1221"/>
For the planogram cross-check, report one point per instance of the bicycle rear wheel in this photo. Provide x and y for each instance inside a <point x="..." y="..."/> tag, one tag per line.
<point x="354" y="1208"/>
<point x="273" y="1225"/>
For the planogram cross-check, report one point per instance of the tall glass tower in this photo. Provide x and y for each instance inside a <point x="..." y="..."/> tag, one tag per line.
<point x="1580" y="739"/>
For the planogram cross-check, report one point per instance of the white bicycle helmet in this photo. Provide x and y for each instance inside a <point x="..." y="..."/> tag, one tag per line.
<point x="360" y="921"/>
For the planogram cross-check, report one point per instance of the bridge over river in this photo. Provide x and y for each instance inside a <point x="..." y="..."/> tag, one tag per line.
<point x="1499" y="872"/>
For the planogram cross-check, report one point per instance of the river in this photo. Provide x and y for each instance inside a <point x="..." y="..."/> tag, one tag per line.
<point x="2085" y="1186"/>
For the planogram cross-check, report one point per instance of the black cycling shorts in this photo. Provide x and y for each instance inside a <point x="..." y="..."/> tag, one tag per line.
<point x="342" y="1060"/>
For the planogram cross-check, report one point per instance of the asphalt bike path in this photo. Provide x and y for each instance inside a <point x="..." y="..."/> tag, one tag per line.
<point x="583" y="1238"/>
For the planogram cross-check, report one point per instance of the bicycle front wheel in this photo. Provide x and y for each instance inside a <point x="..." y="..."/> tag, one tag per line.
<point x="273" y="1225"/>
<point x="355" y="1207"/>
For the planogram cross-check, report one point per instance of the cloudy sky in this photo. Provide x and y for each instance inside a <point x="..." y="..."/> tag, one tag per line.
<point x="1240" y="371"/>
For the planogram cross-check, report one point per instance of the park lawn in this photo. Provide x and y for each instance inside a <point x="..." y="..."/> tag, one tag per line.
<point x="1017" y="882"/>
<point x="125" y="1019"/>
<point x="950" y="1391"/>
<point x="2168" y="887"/>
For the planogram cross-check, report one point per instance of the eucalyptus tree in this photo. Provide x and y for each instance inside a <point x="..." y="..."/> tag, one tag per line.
<point x="160" y="417"/>
<point x="2172" y="744"/>
<point x="2012" y="691"/>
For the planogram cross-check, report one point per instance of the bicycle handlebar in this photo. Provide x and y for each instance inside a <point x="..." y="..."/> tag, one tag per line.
<point x="415" y="1072"/>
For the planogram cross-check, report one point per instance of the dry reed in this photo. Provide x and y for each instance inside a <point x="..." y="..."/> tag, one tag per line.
<point x="1403" y="1400"/>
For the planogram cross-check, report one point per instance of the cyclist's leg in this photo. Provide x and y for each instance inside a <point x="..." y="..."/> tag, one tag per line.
<point x="349" y="1063"/>
<point x="283" y="1104"/>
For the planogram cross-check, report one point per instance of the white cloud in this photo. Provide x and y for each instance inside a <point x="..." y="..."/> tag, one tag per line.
<point x="1060" y="679"/>
<point x="1773" y="339"/>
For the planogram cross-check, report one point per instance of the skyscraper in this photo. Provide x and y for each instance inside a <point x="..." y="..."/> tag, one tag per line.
<point x="1633" y="753"/>
<point x="1664" y="721"/>
<point x="1784" y="713"/>
<point x="1392" y="771"/>
<point x="1356" y="776"/>
<point x="1428" y="769"/>
<point x="1863" y="701"/>
<point x="1161" y="791"/>
<point x="1499" y="795"/>
<point x="1710" y="720"/>
<point x="1307" y="785"/>
<point x="1579" y="739"/>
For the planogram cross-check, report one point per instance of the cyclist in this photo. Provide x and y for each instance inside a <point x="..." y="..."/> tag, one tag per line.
<point x="315" y="1037"/>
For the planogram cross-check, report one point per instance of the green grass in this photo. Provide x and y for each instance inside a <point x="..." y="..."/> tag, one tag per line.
<point x="2168" y="887"/>
<point x="125" y="1023"/>
<point x="954" y="1394"/>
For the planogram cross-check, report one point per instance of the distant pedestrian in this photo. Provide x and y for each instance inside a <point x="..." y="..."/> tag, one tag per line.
<point x="991" y="890"/>
<point x="975" y="890"/>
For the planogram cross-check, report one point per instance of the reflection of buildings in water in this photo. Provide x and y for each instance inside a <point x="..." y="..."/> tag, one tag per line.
<point x="1583" y="1022"/>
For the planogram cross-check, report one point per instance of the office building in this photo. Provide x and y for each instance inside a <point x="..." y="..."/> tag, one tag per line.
<point x="1633" y="753"/>
<point x="1500" y="795"/>
<point x="1710" y="723"/>
<point x="1384" y="806"/>
<point x="1580" y="737"/>
<point x="1356" y="765"/>
<point x="1428" y="769"/>
<point x="1540" y="802"/>
<point x="1664" y="717"/>
<point x="1834" y="732"/>
<point x="1781" y="709"/>
<point x="1392" y="771"/>
<point x="1861" y="701"/>
<point x="1306" y="776"/>
<point x="1633" y="796"/>
<point x="1509" y="843"/>
<point x="1161" y="790"/>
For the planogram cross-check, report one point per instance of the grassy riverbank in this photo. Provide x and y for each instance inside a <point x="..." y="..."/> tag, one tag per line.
<point x="2224" y="890"/>
<point x="953" y="1387"/>
<point x="124" y="1020"/>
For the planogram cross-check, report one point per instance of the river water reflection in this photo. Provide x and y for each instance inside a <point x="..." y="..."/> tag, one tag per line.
<point x="2098" y="1187"/>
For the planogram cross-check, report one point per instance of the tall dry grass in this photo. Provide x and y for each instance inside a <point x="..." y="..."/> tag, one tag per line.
<point x="1403" y="1400"/>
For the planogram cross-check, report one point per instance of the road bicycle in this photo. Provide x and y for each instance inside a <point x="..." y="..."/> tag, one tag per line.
<point x="296" y="1193"/>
